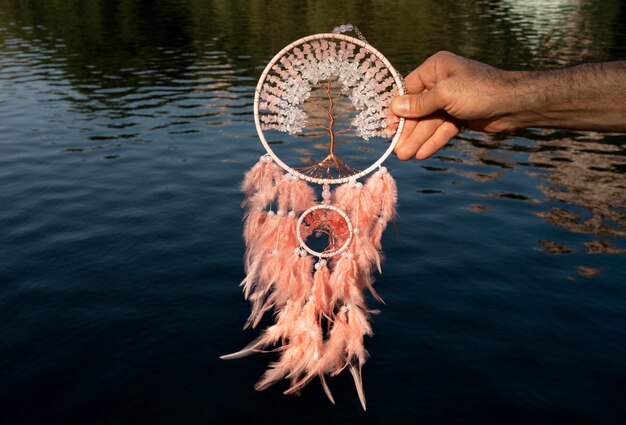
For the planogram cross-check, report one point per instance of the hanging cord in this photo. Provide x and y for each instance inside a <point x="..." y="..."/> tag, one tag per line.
<point x="347" y="28"/>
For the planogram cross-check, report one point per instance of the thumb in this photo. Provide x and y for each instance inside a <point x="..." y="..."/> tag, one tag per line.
<point x="415" y="105"/>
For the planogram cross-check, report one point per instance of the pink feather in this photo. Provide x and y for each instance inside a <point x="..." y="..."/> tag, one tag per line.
<point x="366" y="252"/>
<point x="304" y="348"/>
<point x="252" y="225"/>
<point x="358" y="383"/>
<point x="382" y="184"/>
<point x="321" y="289"/>
<point x="283" y="327"/>
<point x="363" y="211"/>
<point x="342" y="195"/>
<point x="366" y="280"/>
<point x="310" y="340"/>
<point x="376" y="233"/>
<point x="301" y="279"/>
<point x="274" y="373"/>
<point x="358" y="327"/>
<point x="282" y="289"/>
<point x="342" y="279"/>
<point x="334" y="358"/>
<point x="284" y="188"/>
<point x="260" y="181"/>
<point x="302" y="196"/>
<point x="390" y="198"/>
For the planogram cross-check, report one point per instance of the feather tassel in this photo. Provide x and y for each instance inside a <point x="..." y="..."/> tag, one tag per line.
<point x="321" y="316"/>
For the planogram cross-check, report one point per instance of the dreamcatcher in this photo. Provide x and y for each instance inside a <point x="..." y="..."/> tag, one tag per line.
<point x="323" y="92"/>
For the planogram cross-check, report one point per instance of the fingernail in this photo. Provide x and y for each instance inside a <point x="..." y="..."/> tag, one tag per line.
<point x="400" y="105"/>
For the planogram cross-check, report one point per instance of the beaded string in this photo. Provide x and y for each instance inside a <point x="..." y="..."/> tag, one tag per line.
<point x="347" y="28"/>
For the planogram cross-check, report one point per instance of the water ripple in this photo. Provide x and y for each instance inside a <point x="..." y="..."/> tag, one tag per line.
<point x="125" y="131"/>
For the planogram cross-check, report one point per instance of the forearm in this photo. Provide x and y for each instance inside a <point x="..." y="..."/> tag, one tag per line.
<point x="584" y="97"/>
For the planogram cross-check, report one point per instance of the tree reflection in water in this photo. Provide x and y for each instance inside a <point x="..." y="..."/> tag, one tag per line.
<point x="582" y="171"/>
<point x="588" y="175"/>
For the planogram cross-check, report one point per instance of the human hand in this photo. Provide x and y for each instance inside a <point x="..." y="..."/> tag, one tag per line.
<point x="448" y="91"/>
<point x="445" y="92"/>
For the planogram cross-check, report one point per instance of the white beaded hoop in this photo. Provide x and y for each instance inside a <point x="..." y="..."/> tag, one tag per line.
<point x="397" y="79"/>
<point x="328" y="254"/>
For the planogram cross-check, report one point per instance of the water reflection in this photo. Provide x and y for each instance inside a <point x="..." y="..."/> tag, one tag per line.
<point x="130" y="73"/>
<point x="589" y="174"/>
<point x="580" y="172"/>
<point x="125" y="128"/>
<point x="558" y="32"/>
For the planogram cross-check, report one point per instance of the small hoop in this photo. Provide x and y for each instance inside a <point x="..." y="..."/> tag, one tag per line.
<point x="329" y="253"/>
<point x="397" y="79"/>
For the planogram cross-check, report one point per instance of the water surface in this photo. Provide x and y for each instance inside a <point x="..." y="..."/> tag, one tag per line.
<point x="125" y="128"/>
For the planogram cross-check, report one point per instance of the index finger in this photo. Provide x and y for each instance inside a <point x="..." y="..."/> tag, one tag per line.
<point x="425" y="77"/>
<point x="415" y="81"/>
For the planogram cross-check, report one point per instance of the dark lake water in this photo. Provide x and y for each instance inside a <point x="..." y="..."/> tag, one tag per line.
<point x="125" y="129"/>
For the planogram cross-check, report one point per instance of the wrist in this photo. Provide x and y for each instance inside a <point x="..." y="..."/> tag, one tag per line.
<point x="524" y="100"/>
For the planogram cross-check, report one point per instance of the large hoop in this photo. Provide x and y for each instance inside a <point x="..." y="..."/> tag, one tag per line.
<point x="397" y="79"/>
